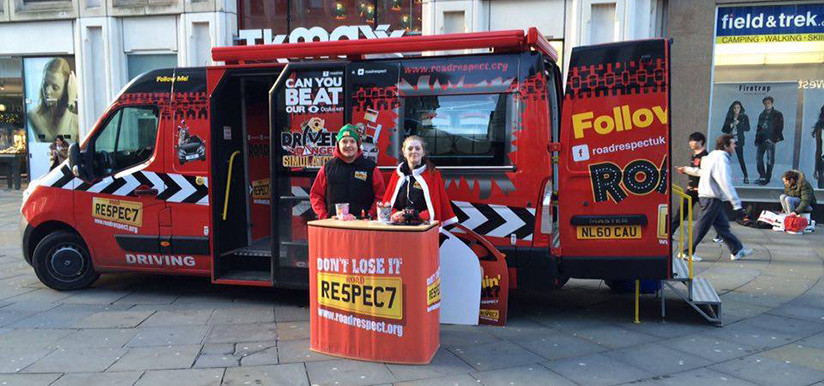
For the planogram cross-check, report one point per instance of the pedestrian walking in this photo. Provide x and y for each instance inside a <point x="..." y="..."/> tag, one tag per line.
<point x="715" y="187"/>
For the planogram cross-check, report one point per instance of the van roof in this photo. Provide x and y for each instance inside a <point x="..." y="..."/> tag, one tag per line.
<point x="510" y="40"/>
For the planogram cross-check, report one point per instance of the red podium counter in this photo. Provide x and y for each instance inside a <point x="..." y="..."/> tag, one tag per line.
<point x="374" y="290"/>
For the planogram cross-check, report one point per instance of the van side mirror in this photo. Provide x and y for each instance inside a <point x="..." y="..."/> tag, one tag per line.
<point x="79" y="167"/>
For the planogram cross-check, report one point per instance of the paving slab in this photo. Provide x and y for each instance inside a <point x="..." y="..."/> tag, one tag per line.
<point x="596" y="369"/>
<point x="179" y="317"/>
<point x="290" y="351"/>
<point x="28" y="379"/>
<point x="527" y="375"/>
<point x="614" y="336"/>
<point x="13" y="360"/>
<point x="216" y="361"/>
<point x="268" y="356"/>
<point x="452" y="336"/>
<point x="31" y="337"/>
<point x="75" y="360"/>
<point x="495" y="355"/>
<point x="293" y="374"/>
<point x="798" y="354"/>
<point x="218" y="348"/>
<point x="243" y="315"/>
<point x="191" y="377"/>
<point x="658" y="359"/>
<point x="766" y="371"/>
<point x="168" y="336"/>
<point x="758" y="337"/>
<point x="712" y="348"/>
<point x="558" y="345"/>
<point x="443" y="364"/>
<point x="225" y="333"/>
<point x="243" y="349"/>
<point x="62" y="316"/>
<point x="114" y="319"/>
<point x="97" y="338"/>
<point x="157" y="358"/>
<point x="291" y="314"/>
<point x="293" y="331"/>
<point x="346" y="372"/>
<point x="454" y="380"/>
<point x="126" y="378"/>
<point x="701" y="377"/>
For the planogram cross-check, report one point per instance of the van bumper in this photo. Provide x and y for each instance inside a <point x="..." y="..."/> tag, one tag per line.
<point x="615" y="267"/>
<point x="26" y="230"/>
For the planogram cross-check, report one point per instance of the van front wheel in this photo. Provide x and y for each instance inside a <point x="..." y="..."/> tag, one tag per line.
<point x="62" y="262"/>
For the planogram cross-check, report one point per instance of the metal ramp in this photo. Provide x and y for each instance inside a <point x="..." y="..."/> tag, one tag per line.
<point x="699" y="294"/>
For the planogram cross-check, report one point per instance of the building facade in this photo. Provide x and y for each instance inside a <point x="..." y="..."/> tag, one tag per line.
<point x="63" y="61"/>
<point x="753" y="70"/>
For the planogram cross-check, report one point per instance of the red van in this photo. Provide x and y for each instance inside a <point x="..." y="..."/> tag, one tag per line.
<point x="206" y="171"/>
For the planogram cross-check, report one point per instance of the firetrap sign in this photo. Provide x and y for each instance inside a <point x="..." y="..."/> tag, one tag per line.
<point x="770" y="23"/>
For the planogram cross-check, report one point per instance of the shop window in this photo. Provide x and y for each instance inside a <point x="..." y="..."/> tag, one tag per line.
<point x="12" y="108"/>
<point x="127" y="139"/>
<point x="461" y="130"/>
<point x="768" y="92"/>
<point x="272" y="15"/>
<point x="329" y="14"/>
<point x="141" y="63"/>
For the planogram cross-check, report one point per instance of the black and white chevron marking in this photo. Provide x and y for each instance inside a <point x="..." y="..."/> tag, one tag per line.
<point x="496" y="220"/>
<point x="170" y="187"/>
<point x="304" y="206"/>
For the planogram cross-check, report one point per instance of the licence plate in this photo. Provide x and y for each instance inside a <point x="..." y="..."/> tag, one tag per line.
<point x="609" y="232"/>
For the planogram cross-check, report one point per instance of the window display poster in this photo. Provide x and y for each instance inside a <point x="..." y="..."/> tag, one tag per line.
<point x="811" y="160"/>
<point x="51" y="110"/>
<point x="761" y="117"/>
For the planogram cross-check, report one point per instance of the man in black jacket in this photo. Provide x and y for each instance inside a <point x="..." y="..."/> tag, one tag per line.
<point x="770" y="132"/>
<point x="348" y="178"/>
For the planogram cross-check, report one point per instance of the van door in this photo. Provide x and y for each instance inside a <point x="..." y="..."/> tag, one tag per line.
<point x="118" y="212"/>
<point x="186" y="229"/>
<point x="614" y="162"/>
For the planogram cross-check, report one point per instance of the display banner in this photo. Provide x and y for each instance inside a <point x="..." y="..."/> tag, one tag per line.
<point x="765" y="138"/>
<point x="770" y="23"/>
<point x="811" y="161"/>
<point x="51" y="108"/>
<point x="314" y="107"/>
<point x="369" y="299"/>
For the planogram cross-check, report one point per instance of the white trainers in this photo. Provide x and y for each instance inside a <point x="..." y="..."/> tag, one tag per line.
<point x="717" y="240"/>
<point x="684" y="256"/>
<point x="744" y="252"/>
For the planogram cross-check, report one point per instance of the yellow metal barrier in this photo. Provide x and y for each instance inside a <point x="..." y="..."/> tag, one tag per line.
<point x="228" y="183"/>
<point x="686" y="200"/>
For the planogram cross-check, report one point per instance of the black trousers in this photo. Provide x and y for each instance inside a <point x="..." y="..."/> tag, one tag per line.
<point x="766" y="148"/>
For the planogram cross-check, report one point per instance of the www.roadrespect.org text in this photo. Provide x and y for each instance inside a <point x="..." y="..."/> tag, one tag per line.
<point x="365" y="324"/>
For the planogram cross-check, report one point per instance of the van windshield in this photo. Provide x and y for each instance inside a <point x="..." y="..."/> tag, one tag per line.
<point x="461" y="130"/>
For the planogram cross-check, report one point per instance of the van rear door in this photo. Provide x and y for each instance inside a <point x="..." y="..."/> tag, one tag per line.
<point x="614" y="184"/>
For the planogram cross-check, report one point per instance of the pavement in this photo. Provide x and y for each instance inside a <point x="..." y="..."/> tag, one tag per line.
<point x="137" y="329"/>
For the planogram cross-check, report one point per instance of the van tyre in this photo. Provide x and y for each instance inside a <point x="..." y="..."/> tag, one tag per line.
<point x="62" y="262"/>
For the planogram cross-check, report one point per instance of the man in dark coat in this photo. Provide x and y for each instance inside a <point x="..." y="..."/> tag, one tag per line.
<point x="798" y="194"/>
<point x="770" y="132"/>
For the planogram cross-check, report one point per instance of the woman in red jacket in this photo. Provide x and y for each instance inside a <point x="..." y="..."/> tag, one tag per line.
<point x="416" y="189"/>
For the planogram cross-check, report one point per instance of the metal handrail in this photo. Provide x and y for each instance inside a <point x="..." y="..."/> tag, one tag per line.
<point x="228" y="182"/>
<point x="688" y="224"/>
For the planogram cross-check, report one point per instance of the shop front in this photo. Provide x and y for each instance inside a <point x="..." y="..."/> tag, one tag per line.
<point x="768" y="92"/>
